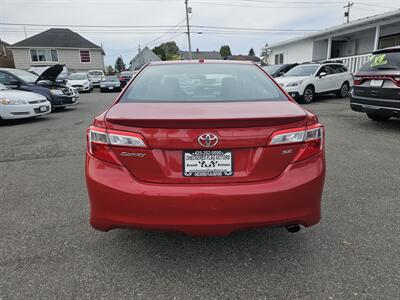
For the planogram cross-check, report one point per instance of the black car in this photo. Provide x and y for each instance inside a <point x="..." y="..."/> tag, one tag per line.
<point x="57" y="94"/>
<point x="124" y="77"/>
<point x="110" y="84"/>
<point x="376" y="90"/>
<point x="278" y="70"/>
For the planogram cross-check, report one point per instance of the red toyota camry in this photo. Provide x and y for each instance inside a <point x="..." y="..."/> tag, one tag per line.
<point x="204" y="148"/>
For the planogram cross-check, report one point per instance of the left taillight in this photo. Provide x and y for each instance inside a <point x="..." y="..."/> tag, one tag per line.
<point x="100" y="142"/>
<point x="311" y="138"/>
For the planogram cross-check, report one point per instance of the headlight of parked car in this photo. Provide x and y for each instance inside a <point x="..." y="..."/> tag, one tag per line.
<point x="12" y="102"/>
<point x="102" y="85"/>
<point x="56" y="92"/>
<point x="296" y="83"/>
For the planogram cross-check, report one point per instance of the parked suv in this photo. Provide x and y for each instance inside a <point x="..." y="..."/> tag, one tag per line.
<point x="57" y="94"/>
<point x="376" y="89"/>
<point x="303" y="82"/>
<point x="96" y="77"/>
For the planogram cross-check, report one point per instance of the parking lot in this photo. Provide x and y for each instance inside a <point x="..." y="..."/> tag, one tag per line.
<point x="49" y="250"/>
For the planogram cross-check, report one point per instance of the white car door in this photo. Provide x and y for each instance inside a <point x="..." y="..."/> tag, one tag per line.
<point x="338" y="77"/>
<point x="322" y="80"/>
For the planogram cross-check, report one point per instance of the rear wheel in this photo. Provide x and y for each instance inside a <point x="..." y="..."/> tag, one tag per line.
<point x="378" y="118"/>
<point x="308" y="95"/>
<point x="344" y="90"/>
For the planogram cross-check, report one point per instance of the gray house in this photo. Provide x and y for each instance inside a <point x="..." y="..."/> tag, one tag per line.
<point x="58" y="46"/>
<point x="143" y="57"/>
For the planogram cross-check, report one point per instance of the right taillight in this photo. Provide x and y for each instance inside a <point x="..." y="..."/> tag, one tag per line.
<point x="311" y="138"/>
<point x="100" y="142"/>
<point x="357" y="80"/>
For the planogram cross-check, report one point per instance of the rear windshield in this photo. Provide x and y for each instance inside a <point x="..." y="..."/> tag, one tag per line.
<point x="384" y="61"/>
<point x="202" y="83"/>
<point x="95" y="73"/>
<point x="111" y="78"/>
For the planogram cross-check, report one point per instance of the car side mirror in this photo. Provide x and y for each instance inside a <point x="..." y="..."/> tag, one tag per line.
<point x="322" y="74"/>
<point x="15" y="82"/>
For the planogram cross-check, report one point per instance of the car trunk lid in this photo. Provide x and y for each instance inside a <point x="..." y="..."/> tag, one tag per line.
<point x="171" y="129"/>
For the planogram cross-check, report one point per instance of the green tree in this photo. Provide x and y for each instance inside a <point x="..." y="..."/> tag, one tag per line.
<point x="265" y="53"/>
<point x="167" y="51"/>
<point x="160" y="52"/>
<point x="110" y="70"/>
<point x="119" y="64"/>
<point x="251" y="52"/>
<point x="225" y="51"/>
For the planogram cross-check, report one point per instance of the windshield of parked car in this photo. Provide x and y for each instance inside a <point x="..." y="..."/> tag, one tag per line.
<point x="3" y="87"/>
<point x="303" y="70"/>
<point x="202" y="83"/>
<point x="95" y="73"/>
<point x="384" y="61"/>
<point x="24" y="75"/>
<point x="78" y="76"/>
<point x="127" y="73"/>
<point x="272" y="69"/>
<point x="111" y="78"/>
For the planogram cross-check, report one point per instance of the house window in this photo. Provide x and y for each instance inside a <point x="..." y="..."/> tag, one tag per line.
<point x="279" y="59"/>
<point x="46" y="55"/>
<point x="85" y="56"/>
<point x="389" y="41"/>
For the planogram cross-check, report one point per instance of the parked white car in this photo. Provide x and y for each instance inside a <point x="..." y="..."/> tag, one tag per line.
<point x="80" y="81"/>
<point x="306" y="80"/>
<point x="16" y="104"/>
<point x="96" y="76"/>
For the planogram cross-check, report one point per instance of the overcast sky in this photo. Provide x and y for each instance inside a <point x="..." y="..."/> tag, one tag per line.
<point x="260" y="14"/>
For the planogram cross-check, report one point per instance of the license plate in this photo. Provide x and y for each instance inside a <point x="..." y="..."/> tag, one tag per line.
<point x="376" y="83"/>
<point x="43" y="108"/>
<point x="204" y="163"/>
<point x="111" y="88"/>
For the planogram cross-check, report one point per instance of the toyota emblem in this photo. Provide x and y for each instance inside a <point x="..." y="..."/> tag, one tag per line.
<point x="208" y="140"/>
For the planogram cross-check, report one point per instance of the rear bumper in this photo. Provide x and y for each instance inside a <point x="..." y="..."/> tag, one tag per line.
<point x="119" y="200"/>
<point x="384" y="107"/>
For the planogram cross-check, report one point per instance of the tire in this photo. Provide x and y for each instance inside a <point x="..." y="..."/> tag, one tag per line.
<point x="308" y="95"/>
<point x="378" y="118"/>
<point x="344" y="90"/>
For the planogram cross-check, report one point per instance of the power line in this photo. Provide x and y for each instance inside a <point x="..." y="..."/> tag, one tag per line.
<point x="157" y="26"/>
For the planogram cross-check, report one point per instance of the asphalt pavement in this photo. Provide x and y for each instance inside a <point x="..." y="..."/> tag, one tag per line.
<point x="49" y="251"/>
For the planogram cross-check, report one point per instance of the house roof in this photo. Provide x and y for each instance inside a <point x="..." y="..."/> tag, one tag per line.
<point x="395" y="14"/>
<point x="143" y="57"/>
<point x="57" y="38"/>
<point x="202" y="54"/>
<point x="243" y="57"/>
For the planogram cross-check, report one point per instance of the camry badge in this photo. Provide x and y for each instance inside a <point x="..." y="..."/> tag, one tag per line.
<point x="131" y="154"/>
<point x="208" y="140"/>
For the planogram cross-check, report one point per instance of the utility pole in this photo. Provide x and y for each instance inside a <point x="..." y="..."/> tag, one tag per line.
<point x="347" y="13"/>
<point x="188" y="10"/>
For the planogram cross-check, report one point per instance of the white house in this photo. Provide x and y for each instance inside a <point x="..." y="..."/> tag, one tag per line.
<point x="352" y="43"/>
<point x="58" y="46"/>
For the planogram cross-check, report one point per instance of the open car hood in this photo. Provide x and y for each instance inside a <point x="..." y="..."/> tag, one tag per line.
<point x="51" y="73"/>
